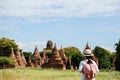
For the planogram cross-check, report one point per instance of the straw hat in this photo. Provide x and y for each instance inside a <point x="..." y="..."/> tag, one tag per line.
<point x="88" y="52"/>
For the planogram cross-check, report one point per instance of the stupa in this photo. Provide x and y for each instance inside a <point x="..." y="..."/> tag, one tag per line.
<point x="55" y="61"/>
<point x="36" y="59"/>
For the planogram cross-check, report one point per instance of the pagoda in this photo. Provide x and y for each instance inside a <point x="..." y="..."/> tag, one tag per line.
<point x="63" y="56"/>
<point x="12" y="56"/>
<point x="23" y="59"/>
<point x="36" y="58"/>
<point x="29" y="63"/>
<point x="19" y="59"/>
<point x="49" y="45"/>
<point x="55" y="61"/>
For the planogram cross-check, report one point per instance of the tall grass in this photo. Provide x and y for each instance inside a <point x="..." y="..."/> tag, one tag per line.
<point x="51" y="74"/>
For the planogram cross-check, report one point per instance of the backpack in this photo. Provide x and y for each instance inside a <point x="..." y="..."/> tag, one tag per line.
<point x="89" y="71"/>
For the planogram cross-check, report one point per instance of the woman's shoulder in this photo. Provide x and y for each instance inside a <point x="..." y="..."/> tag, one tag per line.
<point x="93" y="61"/>
<point x="83" y="62"/>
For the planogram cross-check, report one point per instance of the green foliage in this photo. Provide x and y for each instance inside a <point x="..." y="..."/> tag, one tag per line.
<point x="112" y="60"/>
<point x="117" y="48"/>
<point x="117" y="61"/>
<point x="76" y="58"/>
<point x="69" y="51"/>
<point x="27" y="55"/>
<point x="48" y="53"/>
<point x="5" y="62"/>
<point x="6" y="45"/>
<point x="74" y="54"/>
<point x="104" y="57"/>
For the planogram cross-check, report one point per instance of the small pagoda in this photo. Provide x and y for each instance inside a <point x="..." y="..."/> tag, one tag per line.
<point x="19" y="59"/>
<point x="29" y="63"/>
<point x="23" y="59"/>
<point x="36" y="58"/>
<point x="12" y="56"/>
<point x="63" y="56"/>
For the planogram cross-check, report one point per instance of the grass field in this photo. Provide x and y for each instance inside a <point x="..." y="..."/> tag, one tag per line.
<point x="51" y="74"/>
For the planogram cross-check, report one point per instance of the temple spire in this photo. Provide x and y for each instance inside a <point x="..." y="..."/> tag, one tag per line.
<point x="87" y="49"/>
<point x="55" y="46"/>
<point x="12" y="55"/>
<point x="87" y="46"/>
<point x="36" y="50"/>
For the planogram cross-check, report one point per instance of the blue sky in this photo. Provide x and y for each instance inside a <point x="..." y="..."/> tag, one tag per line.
<point x="66" y="22"/>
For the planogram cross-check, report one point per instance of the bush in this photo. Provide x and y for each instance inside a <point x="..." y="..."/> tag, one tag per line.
<point x="117" y="61"/>
<point x="6" y="62"/>
<point x="103" y="56"/>
<point x="75" y="59"/>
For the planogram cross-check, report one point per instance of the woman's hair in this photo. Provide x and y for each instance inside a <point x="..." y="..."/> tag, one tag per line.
<point x="90" y="58"/>
<point x="89" y="61"/>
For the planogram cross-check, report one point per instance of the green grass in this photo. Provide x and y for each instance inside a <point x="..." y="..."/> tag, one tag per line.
<point x="51" y="74"/>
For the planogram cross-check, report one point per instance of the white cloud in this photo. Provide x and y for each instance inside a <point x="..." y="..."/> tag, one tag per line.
<point x="108" y="48"/>
<point x="29" y="46"/>
<point x="40" y="19"/>
<point x="59" y="8"/>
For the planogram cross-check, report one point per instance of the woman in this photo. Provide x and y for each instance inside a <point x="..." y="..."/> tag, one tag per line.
<point x="82" y="63"/>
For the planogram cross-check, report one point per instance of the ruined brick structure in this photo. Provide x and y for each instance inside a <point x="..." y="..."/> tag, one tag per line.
<point x="36" y="58"/>
<point x="56" y="61"/>
<point x="12" y="56"/>
<point x="29" y="63"/>
<point x="49" y="45"/>
<point x="20" y="59"/>
<point x="63" y="56"/>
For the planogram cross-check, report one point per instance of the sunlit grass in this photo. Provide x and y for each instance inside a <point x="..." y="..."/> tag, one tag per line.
<point x="51" y="74"/>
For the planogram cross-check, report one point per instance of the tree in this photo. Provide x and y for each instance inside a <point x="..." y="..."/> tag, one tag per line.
<point x="6" y="62"/>
<point x="75" y="55"/>
<point x="69" y="51"/>
<point x="112" y="60"/>
<point x="117" y="60"/>
<point x="103" y="56"/>
<point x="6" y="45"/>
<point x="76" y="58"/>
<point x="27" y="55"/>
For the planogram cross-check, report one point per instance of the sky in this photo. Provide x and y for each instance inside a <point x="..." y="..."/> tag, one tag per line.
<point x="66" y="22"/>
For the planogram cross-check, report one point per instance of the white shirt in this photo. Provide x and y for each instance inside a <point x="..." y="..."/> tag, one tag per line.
<point x="82" y="63"/>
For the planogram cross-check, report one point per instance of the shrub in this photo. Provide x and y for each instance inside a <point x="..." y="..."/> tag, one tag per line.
<point x="76" y="58"/>
<point x="6" y="62"/>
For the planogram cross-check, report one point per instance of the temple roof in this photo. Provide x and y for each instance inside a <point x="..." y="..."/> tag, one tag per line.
<point x="36" y="53"/>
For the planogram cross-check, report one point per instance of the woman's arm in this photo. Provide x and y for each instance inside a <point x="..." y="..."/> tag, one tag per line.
<point x="80" y="68"/>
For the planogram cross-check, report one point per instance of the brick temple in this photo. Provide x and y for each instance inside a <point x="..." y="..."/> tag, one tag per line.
<point x="57" y="60"/>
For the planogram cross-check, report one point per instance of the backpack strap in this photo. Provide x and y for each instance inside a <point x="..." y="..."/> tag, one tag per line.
<point x="92" y="72"/>
<point x="83" y="64"/>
